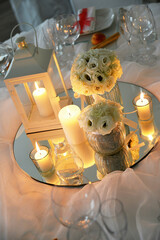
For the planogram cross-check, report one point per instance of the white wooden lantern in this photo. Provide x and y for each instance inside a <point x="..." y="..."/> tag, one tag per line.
<point x="38" y="108"/>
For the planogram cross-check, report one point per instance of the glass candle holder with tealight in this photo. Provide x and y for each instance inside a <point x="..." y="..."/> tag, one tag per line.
<point x="41" y="157"/>
<point x="143" y="105"/>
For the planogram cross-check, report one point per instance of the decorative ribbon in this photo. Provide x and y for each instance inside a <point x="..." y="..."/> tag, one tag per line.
<point x="130" y="123"/>
<point x="128" y="137"/>
<point x="84" y="20"/>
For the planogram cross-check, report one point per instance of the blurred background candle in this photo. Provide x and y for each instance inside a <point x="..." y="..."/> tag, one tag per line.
<point x="42" y="101"/>
<point x="42" y="159"/>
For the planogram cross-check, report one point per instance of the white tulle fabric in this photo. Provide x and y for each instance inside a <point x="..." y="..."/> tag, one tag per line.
<point x="25" y="205"/>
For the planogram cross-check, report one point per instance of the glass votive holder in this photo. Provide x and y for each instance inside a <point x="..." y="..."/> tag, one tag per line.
<point x="144" y="108"/>
<point x="143" y="105"/>
<point x="70" y="170"/>
<point x="42" y="160"/>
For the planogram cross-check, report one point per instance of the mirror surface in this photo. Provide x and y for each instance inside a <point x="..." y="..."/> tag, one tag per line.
<point x="23" y="145"/>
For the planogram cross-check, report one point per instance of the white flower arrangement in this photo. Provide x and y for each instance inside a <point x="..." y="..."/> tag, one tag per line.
<point x="95" y="72"/>
<point x="101" y="117"/>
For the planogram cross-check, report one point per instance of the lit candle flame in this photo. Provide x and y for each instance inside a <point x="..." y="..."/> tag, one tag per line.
<point x="36" y="85"/>
<point x="69" y="112"/>
<point x="142" y="96"/>
<point x="65" y="154"/>
<point x="37" y="147"/>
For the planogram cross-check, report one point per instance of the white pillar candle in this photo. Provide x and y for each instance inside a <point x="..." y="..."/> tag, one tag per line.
<point x="42" y="101"/>
<point x="68" y="117"/>
<point x="143" y="108"/>
<point x="75" y="135"/>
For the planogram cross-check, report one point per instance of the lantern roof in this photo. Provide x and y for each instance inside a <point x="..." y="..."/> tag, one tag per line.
<point x="30" y="61"/>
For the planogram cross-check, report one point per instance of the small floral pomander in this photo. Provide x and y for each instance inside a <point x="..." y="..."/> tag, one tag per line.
<point x="101" y="117"/>
<point x="95" y="72"/>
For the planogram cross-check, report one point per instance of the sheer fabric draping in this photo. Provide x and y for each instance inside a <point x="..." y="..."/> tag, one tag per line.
<point x="25" y="205"/>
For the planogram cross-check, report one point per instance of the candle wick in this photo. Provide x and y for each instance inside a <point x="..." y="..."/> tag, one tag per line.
<point x="40" y="153"/>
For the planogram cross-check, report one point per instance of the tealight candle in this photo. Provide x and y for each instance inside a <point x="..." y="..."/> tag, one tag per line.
<point x="42" y="159"/>
<point x="143" y="106"/>
<point x="42" y="101"/>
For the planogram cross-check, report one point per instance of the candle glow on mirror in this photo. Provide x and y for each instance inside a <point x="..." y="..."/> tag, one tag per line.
<point x="150" y="137"/>
<point x="147" y="128"/>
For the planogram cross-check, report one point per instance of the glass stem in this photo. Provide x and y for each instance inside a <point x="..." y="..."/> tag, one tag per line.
<point x="73" y="49"/>
<point x="144" y="42"/>
<point x="130" y="47"/>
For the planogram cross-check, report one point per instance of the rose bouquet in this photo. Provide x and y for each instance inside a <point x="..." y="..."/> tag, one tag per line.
<point x="95" y="72"/>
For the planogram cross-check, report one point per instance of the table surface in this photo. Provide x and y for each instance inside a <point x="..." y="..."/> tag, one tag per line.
<point x="25" y="204"/>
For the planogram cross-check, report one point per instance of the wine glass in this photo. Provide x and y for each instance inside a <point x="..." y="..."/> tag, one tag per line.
<point x="68" y="30"/>
<point x="92" y="231"/>
<point x="53" y="36"/>
<point x="69" y="207"/>
<point x="5" y="59"/>
<point x="114" y="218"/>
<point x="142" y="27"/>
<point x="124" y="30"/>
